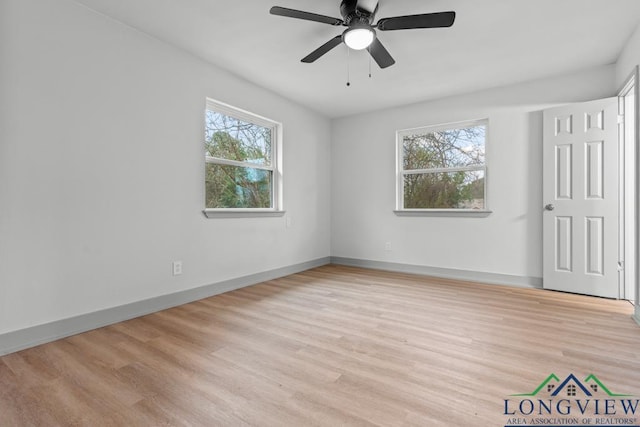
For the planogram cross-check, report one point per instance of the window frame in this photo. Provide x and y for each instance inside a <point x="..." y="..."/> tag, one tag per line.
<point x="401" y="172"/>
<point x="275" y="168"/>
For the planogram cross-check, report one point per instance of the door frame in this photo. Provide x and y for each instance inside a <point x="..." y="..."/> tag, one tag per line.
<point x="632" y="85"/>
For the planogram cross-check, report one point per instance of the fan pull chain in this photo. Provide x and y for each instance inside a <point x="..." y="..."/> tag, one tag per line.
<point x="369" y="65"/>
<point x="348" y="77"/>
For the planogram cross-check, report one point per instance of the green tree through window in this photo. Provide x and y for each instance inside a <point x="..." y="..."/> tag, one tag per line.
<point x="239" y="162"/>
<point x="443" y="167"/>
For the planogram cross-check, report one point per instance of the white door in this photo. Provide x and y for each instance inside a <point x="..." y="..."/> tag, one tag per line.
<point x="580" y="193"/>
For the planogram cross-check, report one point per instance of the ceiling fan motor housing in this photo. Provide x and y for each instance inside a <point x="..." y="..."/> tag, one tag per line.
<point x="352" y="14"/>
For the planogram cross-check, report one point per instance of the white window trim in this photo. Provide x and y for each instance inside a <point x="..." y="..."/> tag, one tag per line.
<point x="400" y="172"/>
<point x="276" y="167"/>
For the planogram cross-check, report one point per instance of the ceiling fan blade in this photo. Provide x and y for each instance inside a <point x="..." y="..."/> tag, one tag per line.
<point x="426" y="20"/>
<point x="323" y="49"/>
<point x="380" y="54"/>
<point x="292" y="13"/>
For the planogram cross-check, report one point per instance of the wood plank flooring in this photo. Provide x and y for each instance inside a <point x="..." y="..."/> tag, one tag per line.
<point x="331" y="346"/>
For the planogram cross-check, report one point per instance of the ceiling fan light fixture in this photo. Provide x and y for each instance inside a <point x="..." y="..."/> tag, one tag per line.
<point x="358" y="38"/>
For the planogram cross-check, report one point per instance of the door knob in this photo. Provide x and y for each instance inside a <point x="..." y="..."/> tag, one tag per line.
<point x="549" y="207"/>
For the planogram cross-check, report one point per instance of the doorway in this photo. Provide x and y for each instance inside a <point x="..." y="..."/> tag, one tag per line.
<point x="628" y="218"/>
<point x="591" y="182"/>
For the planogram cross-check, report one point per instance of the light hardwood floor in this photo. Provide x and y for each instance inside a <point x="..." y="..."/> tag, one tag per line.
<point x="331" y="346"/>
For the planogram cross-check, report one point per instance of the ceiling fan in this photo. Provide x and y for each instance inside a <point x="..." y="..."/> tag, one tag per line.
<point x="358" y="16"/>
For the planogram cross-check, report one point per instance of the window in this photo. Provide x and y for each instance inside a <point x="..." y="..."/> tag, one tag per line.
<point x="242" y="172"/>
<point x="442" y="168"/>
<point x="571" y="390"/>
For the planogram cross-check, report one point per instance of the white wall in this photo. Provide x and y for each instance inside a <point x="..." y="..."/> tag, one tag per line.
<point x="628" y="59"/>
<point x="509" y="241"/>
<point x="101" y="169"/>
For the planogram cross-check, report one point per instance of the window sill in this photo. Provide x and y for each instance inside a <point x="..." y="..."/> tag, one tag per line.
<point x="473" y="213"/>
<point x="241" y="213"/>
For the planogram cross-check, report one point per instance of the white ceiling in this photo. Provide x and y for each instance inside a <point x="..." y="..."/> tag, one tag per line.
<point x="492" y="43"/>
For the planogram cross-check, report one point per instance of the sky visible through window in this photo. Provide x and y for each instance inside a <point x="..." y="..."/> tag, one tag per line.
<point x="252" y="143"/>
<point x="445" y="149"/>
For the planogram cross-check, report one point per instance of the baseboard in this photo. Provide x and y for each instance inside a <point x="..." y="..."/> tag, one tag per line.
<point x="30" y="337"/>
<point x="446" y="273"/>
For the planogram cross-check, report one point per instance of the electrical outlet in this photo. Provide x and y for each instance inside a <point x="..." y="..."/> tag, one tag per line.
<point x="177" y="268"/>
<point x="388" y="247"/>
